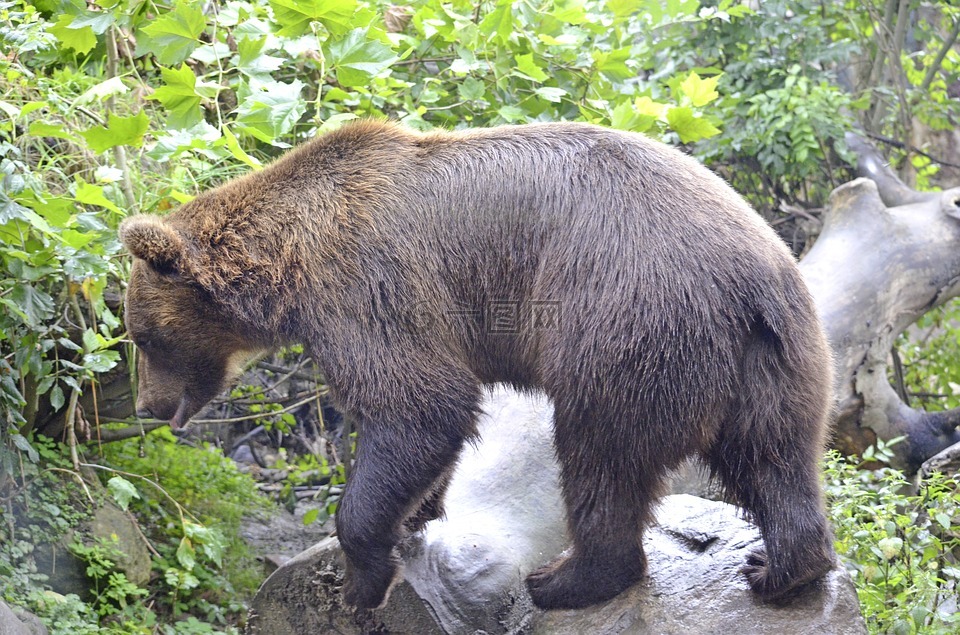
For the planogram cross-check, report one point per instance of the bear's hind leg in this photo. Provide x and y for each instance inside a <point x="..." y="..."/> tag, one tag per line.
<point x="767" y="454"/>
<point x="782" y="495"/>
<point x="609" y="490"/>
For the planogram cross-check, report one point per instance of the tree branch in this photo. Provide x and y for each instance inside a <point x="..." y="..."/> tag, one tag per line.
<point x="912" y="148"/>
<point x="872" y="165"/>
<point x="942" y="53"/>
<point x="119" y="153"/>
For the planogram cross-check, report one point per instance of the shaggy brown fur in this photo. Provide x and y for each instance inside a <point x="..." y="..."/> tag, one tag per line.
<point x="417" y="267"/>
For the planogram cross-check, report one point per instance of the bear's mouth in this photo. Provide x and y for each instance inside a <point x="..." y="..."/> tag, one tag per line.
<point x="182" y="415"/>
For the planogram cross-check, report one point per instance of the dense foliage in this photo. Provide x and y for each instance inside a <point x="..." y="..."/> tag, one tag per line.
<point x="115" y="107"/>
<point x="928" y="372"/>
<point x="200" y="567"/>
<point x="900" y="548"/>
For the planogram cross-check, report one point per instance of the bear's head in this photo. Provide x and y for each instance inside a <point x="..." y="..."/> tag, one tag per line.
<point x="188" y="351"/>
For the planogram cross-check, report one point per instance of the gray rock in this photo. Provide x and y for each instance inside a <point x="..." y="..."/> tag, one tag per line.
<point x="303" y="597"/>
<point x="34" y="624"/>
<point x="109" y="522"/>
<point x="465" y="574"/>
<point x="66" y="573"/>
<point x="19" y="622"/>
<point x="504" y="518"/>
<point x="279" y="536"/>
<point x="695" y="586"/>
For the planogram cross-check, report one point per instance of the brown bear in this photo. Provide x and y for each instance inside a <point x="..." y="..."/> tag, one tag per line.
<point x="661" y="315"/>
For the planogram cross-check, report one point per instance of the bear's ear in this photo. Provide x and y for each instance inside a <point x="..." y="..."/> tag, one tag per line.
<point x="156" y="243"/>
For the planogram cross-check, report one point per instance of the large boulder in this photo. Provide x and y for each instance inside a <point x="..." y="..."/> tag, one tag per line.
<point x="465" y="574"/>
<point x="118" y="528"/>
<point x="695" y="585"/>
<point x="18" y="622"/>
<point x="66" y="573"/>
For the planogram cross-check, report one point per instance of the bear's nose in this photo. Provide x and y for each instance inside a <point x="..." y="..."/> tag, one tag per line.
<point x="144" y="413"/>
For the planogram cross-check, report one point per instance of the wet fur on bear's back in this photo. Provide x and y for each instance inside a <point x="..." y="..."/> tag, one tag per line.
<point x="438" y="227"/>
<point x="451" y="221"/>
<point x="677" y="324"/>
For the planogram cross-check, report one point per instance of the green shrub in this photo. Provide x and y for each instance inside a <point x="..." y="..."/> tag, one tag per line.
<point x="929" y="354"/>
<point x="901" y="548"/>
<point x="218" y="497"/>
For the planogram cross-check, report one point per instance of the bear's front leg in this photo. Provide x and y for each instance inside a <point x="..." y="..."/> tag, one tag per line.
<point x="399" y="462"/>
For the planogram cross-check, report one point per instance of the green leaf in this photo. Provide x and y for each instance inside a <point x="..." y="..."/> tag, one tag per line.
<point x="570" y="11"/>
<point x="123" y="491"/>
<point x="24" y="446"/>
<point x="9" y="109"/>
<point x="55" y="211"/>
<point x="101" y="361"/>
<point x="56" y="397"/>
<point x="210" y="54"/>
<point x="56" y="131"/>
<point x="311" y="516"/>
<point x="271" y="110"/>
<point x="233" y="145"/>
<point x="82" y="39"/>
<point x="623" y="8"/>
<point x="175" y="34"/>
<point x="943" y="519"/>
<point x="551" y="93"/>
<point x="186" y="554"/>
<point x="356" y="58"/>
<point x="210" y="541"/>
<point x="564" y="39"/>
<point x="624" y="117"/>
<point x="34" y="305"/>
<point x="120" y="131"/>
<point x="528" y="68"/>
<point x="890" y="547"/>
<point x="512" y="114"/>
<point x="99" y="92"/>
<point x="647" y="107"/>
<point x="295" y="16"/>
<point x="690" y="127"/>
<point x="498" y="24"/>
<point x="613" y="63"/>
<point x="199" y="138"/>
<point x="700" y="91"/>
<point x="30" y="106"/>
<point x="99" y="21"/>
<point x="179" y="97"/>
<point x="90" y="341"/>
<point x="90" y="194"/>
<point x="75" y="239"/>
<point x="471" y="89"/>
<point x="253" y="62"/>
<point x="336" y="121"/>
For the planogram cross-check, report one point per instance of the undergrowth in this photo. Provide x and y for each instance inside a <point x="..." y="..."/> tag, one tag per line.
<point x="899" y="543"/>
<point x="202" y="571"/>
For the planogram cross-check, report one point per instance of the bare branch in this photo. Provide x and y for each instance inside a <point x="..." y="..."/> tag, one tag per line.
<point x="872" y="165"/>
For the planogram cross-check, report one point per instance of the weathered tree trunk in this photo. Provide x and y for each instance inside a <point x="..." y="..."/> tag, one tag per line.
<point x="887" y="255"/>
